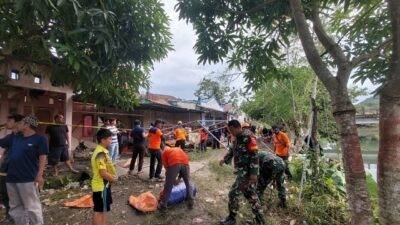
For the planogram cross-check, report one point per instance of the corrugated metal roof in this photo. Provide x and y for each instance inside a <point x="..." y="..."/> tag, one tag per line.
<point x="212" y="104"/>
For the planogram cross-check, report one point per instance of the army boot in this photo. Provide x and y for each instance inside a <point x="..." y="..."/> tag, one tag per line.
<point x="230" y="220"/>
<point x="256" y="221"/>
<point x="282" y="203"/>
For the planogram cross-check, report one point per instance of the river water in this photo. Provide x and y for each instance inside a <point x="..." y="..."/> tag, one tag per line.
<point x="370" y="160"/>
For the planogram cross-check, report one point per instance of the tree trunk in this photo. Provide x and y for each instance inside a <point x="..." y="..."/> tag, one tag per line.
<point x="389" y="160"/>
<point x="357" y="192"/>
<point x="389" y="130"/>
<point x="344" y="113"/>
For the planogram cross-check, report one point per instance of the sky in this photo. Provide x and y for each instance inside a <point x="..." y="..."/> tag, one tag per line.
<point x="179" y="73"/>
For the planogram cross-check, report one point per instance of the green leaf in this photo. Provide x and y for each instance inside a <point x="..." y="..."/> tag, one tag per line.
<point x="76" y="66"/>
<point x="100" y="46"/>
<point x="60" y="2"/>
<point x="76" y="6"/>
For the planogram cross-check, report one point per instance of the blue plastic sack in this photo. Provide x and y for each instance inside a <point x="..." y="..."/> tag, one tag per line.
<point x="178" y="193"/>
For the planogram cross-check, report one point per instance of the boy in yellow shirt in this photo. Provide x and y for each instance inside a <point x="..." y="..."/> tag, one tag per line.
<point x="104" y="173"/>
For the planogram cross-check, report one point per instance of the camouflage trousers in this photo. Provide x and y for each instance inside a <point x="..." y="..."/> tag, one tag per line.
<point x="264" y="180"/>
<point x="242" y="186"/>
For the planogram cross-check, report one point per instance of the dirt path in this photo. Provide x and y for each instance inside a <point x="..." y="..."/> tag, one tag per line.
<point x="121" y="213"/>
<point x="212" y="181"/>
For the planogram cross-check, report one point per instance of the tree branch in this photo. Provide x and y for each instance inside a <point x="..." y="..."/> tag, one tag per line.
<point x="310" y="50"/>
<point x="330" y="45"/>
<point x="25" y="59"/>
<point x="333" y="48"/>
<point x="255" y="8"/>
<point x="242" y="14"/>
<point x="370" y="55"/>
<point x="355" y="24"/>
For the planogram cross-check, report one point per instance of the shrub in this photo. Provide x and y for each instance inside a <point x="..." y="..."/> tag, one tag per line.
<point x="323" y="197"/>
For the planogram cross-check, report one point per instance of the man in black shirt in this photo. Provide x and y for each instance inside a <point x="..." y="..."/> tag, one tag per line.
<point x="138" y="134"/>
<point x="58" y="144"/>
<point x="217" y="133"/>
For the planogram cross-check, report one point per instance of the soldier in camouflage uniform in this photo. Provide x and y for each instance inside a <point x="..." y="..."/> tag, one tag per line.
<point x="244" y="154"/>
<point x="272" y="168"/>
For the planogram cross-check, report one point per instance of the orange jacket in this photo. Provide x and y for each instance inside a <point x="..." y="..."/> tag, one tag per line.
<point x="154" y="138"/>
<point x="173" y="156"/>
<point x="180" y="134"/>
<point x="281" y="143"/>
<point x="203" y="135"/>
<point x="252" y="145"/>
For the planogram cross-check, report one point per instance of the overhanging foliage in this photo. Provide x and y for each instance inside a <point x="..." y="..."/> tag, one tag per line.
<point x="103" y="49"/>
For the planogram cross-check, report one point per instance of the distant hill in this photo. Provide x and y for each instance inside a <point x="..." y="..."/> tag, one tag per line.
<point x="368" y="106"/>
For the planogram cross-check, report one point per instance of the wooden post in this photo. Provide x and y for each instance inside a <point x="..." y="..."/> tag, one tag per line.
<point x="68" y="118"/>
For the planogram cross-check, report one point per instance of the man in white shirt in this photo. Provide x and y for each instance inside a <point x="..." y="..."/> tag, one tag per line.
<point x="114" y="147"/>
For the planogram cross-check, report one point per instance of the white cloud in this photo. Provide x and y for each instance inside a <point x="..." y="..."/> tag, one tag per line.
<point x="371" y="88"/>
<point x="179" y="73"/>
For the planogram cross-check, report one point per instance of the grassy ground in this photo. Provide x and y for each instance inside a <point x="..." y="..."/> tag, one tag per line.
<point x="213" y="183"/>
<point x="210" y="205"/>
<point x="200" y="156"/>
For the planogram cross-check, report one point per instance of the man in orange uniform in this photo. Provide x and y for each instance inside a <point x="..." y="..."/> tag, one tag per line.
<point x="282" y="145"/>
<point x="155" y="138"/>
<point x="176" y="163"/>
<point x="203" y="139"/>
<point x="180" y="136"/>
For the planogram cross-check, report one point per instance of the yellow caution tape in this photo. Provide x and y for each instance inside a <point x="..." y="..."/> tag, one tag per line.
<point x="76" y="125"/>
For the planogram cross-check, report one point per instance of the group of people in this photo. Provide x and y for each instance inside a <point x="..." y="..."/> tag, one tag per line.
<point x="255" y="170"/>
<point x="155" y="139"/>
<point x="27" y="154"/>
<point x="174" y="160"/>
<point x="155" y="144"/>
<point x="279" y="139"/>
<point x="24" y="158"/>
<point x="216" y="134"/>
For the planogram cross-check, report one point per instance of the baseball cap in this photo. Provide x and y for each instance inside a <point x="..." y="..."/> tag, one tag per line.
<point x="31" y="120"/>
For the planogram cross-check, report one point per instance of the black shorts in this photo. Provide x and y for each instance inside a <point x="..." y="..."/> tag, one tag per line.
<point x="181" y="144"/>
<point x="58" y="154"/>
<point x="102" y="200"/>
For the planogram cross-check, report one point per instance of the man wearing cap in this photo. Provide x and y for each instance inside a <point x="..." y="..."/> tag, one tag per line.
<point x="244" y="153"/>
<point x="180" y="135"/>
<point x="27" y="160"/>
<point x="11" y="124"/>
